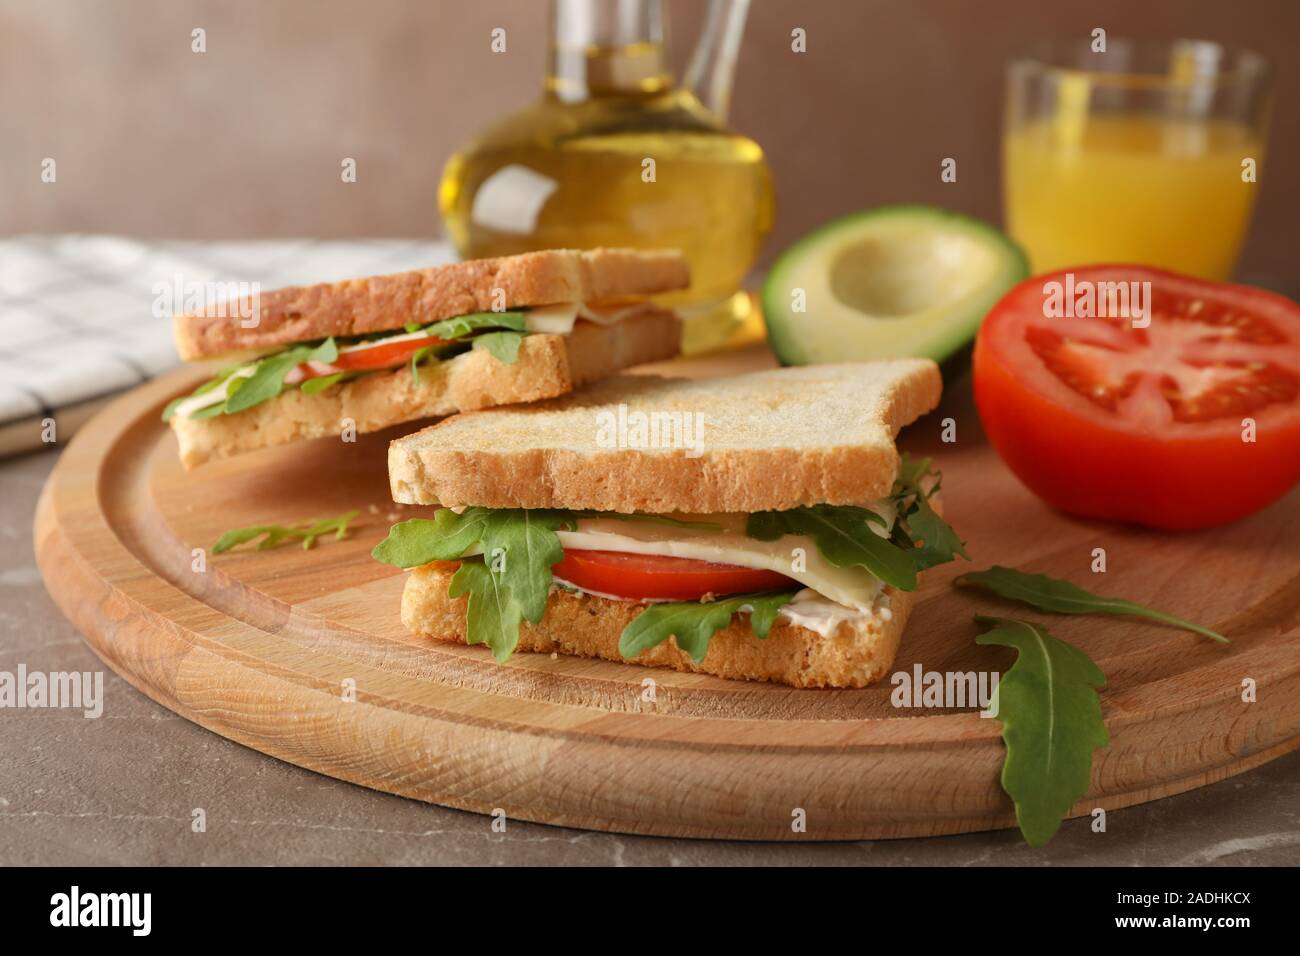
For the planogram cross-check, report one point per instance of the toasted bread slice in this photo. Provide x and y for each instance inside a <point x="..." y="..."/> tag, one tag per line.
<point x="547" y="365"/>
<point x="587" y="626"/>
<point x="382" y="303"/>
<point x="770" y="441"/>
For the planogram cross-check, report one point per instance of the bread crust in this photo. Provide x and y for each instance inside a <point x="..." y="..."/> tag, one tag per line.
<point x="583" y="625"/>
<point x="547" y="365"/>
<point x="382" y="303"/>
<point x="773" y="441"/>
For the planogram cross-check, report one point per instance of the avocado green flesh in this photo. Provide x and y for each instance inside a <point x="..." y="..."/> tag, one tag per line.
<point x="888" y="283"/>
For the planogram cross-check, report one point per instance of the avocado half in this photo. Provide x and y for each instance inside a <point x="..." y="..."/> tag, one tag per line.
<point x="890" y="282"/>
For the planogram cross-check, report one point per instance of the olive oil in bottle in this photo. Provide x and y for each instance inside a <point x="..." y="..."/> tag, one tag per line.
<point x="616" y="155"/>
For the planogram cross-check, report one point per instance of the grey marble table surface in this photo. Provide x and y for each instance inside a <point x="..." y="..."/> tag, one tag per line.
<point x="122" y="788"/>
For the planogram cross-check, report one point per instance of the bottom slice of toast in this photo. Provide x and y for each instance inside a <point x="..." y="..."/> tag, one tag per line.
<point x="587" y="626"/>
<point x="547" y="366"/>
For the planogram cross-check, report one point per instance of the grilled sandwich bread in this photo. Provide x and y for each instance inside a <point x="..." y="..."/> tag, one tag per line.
<point x="784" y="542"/>
<point x="368" y="353"/>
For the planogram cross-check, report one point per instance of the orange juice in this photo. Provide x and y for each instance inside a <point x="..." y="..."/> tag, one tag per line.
<point x="1132" y="187"/>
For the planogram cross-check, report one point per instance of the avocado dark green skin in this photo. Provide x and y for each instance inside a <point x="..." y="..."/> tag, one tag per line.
<point x="954" y="355"/>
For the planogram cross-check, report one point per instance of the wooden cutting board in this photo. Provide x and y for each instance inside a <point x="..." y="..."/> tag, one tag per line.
<point x="266" y="647"/>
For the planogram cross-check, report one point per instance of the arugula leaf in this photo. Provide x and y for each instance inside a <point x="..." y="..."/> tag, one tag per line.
<point x="275" y="534"/>
<point x="267" y="380"/>
<point x="446" y="537"/>
<point x="504" y="346"/>
<point x="418" y="356"/>
<point x="939" y="543"/>
<point x="314" y="386"/>
<point x="462" y="325"/>
<point x="917" y="519"/>
<point x="844" y="537"/>
<point x="520" y="547"/>
<point x="693" y="624"/>
<point x="512" y="581"/>
<point x="911" y="472"/>
<point x="1051" y="721"/>
<point x="170" y="409"/>
<point x="208" y="411"/>
<point x="203" y="389"/>
<point x="494" y="612"/>
<point x="1061" y="597"/>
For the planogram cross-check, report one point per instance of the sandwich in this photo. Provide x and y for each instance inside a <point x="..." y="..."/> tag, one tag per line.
<point x="365" y="354"/>
<point x="761" y="527"/>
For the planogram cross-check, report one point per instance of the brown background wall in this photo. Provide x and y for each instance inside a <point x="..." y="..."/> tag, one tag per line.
<point x="246" y="140"/>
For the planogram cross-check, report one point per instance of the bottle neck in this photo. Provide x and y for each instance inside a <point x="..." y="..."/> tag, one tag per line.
<point x="606" y="48"/>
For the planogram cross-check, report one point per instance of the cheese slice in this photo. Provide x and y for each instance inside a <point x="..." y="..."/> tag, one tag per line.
<point x="559" y="319"/>
<point x="795" y="556"/>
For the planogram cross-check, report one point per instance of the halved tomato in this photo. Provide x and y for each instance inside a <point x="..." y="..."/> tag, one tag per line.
<point x="1189" y="422"/>
<point x="641" y="576"/>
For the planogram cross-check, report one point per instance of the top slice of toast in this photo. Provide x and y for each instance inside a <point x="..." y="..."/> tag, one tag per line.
<point x="384" y="303"/>
<point x="765" y="441"/>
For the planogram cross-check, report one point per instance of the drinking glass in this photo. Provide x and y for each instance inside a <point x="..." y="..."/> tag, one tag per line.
<point x="1149" y="152"/>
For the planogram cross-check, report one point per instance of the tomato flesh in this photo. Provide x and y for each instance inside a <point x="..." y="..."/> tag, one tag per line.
<point x="652" y="576"/>
<point x="383" y="356"/>
<point x="389" y="355"/>
<point x="1146" y="425"/>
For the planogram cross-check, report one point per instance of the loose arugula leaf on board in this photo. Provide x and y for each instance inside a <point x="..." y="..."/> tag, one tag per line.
<point x="1051" y="721"/>
<point x="844" y="537"/>
<point x="693" y="624"/>
<point x="1061" y="597"/>
<point x="504" y="346"/>
<point x="445" y="537"/>
<point x="276" y="534"/>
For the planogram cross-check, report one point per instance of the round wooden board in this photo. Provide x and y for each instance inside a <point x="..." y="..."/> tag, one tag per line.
<point x="262" y="646"/>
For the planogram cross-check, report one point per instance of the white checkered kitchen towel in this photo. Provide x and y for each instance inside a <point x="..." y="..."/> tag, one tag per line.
<point x="78" y="313"/>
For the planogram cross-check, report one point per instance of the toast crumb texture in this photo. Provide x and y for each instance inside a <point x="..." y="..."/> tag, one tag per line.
<point x="770" y="440"/>
<point x="383" y="303"/>
<point x="583" y="625"/>
<point x="547" y="365"/>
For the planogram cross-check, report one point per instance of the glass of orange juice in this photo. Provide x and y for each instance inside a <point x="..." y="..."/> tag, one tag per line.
<point x="1143" y="152"/>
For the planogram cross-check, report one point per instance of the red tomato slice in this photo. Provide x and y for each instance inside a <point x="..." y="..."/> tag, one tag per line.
<point x="389" y="355"/>
<point x="1146" y="425"/>
<point x="640" y="576"/>
<point x="382" y="356"/>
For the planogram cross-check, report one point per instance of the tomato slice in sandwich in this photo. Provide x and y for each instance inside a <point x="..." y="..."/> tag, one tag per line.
<point x="1188" y="422"/>
<point x="370" y="358"/>
<point x="644" y="576"/>
<point x="382" y="355"/>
